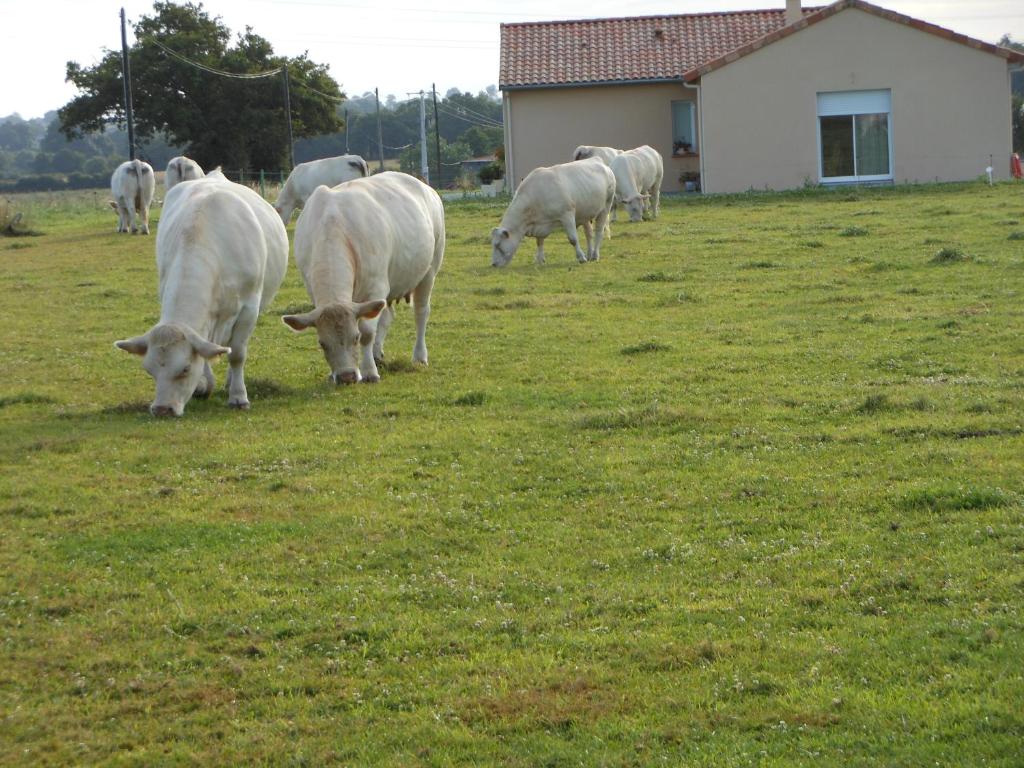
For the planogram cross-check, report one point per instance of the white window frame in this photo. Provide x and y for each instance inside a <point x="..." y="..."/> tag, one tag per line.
<point x="693" y="125"/>
<point x="851" y="104"/>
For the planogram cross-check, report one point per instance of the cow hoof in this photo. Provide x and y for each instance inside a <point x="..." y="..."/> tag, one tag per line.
<point x="373" y="378"/>
<point x="242" y="405"/>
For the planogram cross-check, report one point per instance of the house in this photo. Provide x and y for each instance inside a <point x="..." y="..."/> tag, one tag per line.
<point x="845" y="93"/>
<point x="473" y="165"/>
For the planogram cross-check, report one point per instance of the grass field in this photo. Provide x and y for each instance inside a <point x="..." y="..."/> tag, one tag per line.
<point x="747" y="491"/>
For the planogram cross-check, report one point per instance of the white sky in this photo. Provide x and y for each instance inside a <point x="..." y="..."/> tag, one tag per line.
<point x="396" y="45"/>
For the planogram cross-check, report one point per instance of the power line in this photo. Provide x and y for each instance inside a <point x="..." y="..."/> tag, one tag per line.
<point x="471" y="121"/>
<point x="211" y="70"/>
<point x="468" y="111"/>
<point x="327" y="96"/>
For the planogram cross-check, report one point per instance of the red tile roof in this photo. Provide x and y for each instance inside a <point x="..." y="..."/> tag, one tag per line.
<point x="670" y="48"/>
<point x="552" y="53"/>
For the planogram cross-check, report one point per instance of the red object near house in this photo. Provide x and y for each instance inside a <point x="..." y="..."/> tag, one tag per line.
<point x="1015" y="168"/>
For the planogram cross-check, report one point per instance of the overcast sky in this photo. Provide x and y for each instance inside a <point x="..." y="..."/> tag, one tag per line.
<point x="396" y="45"/>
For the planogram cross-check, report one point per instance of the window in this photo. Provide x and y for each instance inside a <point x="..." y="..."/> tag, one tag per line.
<point x="684" y="127"/>
<point x="854" y="135"/>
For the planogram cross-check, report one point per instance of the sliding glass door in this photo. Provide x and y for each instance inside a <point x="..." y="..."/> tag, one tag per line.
<point x="854" y="136"/>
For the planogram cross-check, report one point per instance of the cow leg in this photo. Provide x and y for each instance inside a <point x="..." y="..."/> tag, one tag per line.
<point x="599" y="226"/>
<point x="133" y="226"/>
<point x="145" y="221"/>
<point x="421" y="304"/>
<point x="238" y="397"/>
<point x="122" y="218"/>
<point x="588" y="232"/>
<point x="367" y="335"/>
<point x="205" y="387"/>
<point x="569" y="223"/>
<point x="539" y="258"/>
<point x="656" y="199"/>
<point x="383" y="325"/>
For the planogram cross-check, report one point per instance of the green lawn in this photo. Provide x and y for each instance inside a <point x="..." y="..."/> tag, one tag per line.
<point x="747" y="491"/>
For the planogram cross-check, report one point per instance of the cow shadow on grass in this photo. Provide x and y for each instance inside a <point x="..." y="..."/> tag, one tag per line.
<point x="260" y="391"/>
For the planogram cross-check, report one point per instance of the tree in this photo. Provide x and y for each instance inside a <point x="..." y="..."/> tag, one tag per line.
<point x="230" y="121"/>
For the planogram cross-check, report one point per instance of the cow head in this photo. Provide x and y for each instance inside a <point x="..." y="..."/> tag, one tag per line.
<point x="635" y="206"/>
<point x="503" y="246"/>
<point x="340" y="331"/>
<point x="175" y="356"/>
<point x="582" y="153"/>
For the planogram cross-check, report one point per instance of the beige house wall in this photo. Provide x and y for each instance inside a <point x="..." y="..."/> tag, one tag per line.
<point x="544" y="126"/>
<point x="950" y="104"/>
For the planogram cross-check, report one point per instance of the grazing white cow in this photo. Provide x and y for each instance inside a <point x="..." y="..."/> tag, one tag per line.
<point x="181" y="169"/>
<point x="362" y="246"/>
<point x="638" y="175"/>
<point x="305" y="177"/>
<point x="558" y="197"/>
<point x="132" y="184"/>
<point x="221" y="254"/>
<point x="585" y="151"/>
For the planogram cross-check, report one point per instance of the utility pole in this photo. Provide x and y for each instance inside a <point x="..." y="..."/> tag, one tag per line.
<point x="424" y="165"/>
<point x="288" y="113"/>
<point x="437" y="137"/>
<point x="126" y="78"/>
<point x="346" y="130"/>
<point x="380" y="136"/>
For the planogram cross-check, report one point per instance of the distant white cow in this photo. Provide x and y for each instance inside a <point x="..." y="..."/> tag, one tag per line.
<point x="562" y="196"/>
<point x="221" y="254"/>
<point x="584" y="151"/>
<point x="132" y="184"/>
<point x="362" y="246"/>
<point x="181" y="169"/>
<point x="638" y="175"/>
<point x="305" y="177"/>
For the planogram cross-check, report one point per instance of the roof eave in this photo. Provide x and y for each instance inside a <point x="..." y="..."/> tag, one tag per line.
<point x="593" y="83"/>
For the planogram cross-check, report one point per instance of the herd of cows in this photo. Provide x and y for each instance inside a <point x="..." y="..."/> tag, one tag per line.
<point x="362" y="243"/>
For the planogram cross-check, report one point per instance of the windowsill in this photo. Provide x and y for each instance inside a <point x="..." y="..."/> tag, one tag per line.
<point x="685" y="154"/>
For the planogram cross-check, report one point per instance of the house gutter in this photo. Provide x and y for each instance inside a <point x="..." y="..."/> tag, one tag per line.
<point x="592" y="84"/>
<point x="700" y="122"/>
<point x="506" y="105"/>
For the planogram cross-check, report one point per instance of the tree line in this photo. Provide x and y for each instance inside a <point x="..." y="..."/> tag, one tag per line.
<point x="219" y="99"/>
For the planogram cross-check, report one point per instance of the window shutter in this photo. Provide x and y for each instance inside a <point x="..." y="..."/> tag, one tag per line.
<point x="854" y="103"/>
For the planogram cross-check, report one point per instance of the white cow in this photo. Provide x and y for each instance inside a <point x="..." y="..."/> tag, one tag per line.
<point x="561" y="196"/>
<point x="305" y="177"/>
<point x="362" y="246"/>
<point x="132" y="184"/>
<point x="221" y="254"/>
<point x="584" y="151"/>
<point x="181" y="169"/>
<point x="638" y="175"/>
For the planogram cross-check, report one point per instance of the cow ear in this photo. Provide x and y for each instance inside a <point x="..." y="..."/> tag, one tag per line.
<point x="136" y="346"/>
<point x="301" y="322"/>
<point x="209" y="350"/>
<point x="369" y="309"/>
<point x="112" y="204"/>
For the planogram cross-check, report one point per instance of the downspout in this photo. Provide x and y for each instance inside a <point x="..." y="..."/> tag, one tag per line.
<point x="509" y="162"/>
<point x="700" y="128"/>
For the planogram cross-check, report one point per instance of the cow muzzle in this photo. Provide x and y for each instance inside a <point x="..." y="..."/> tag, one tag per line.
<point x="163" y="410"/>
<point x="345" y="377"/>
